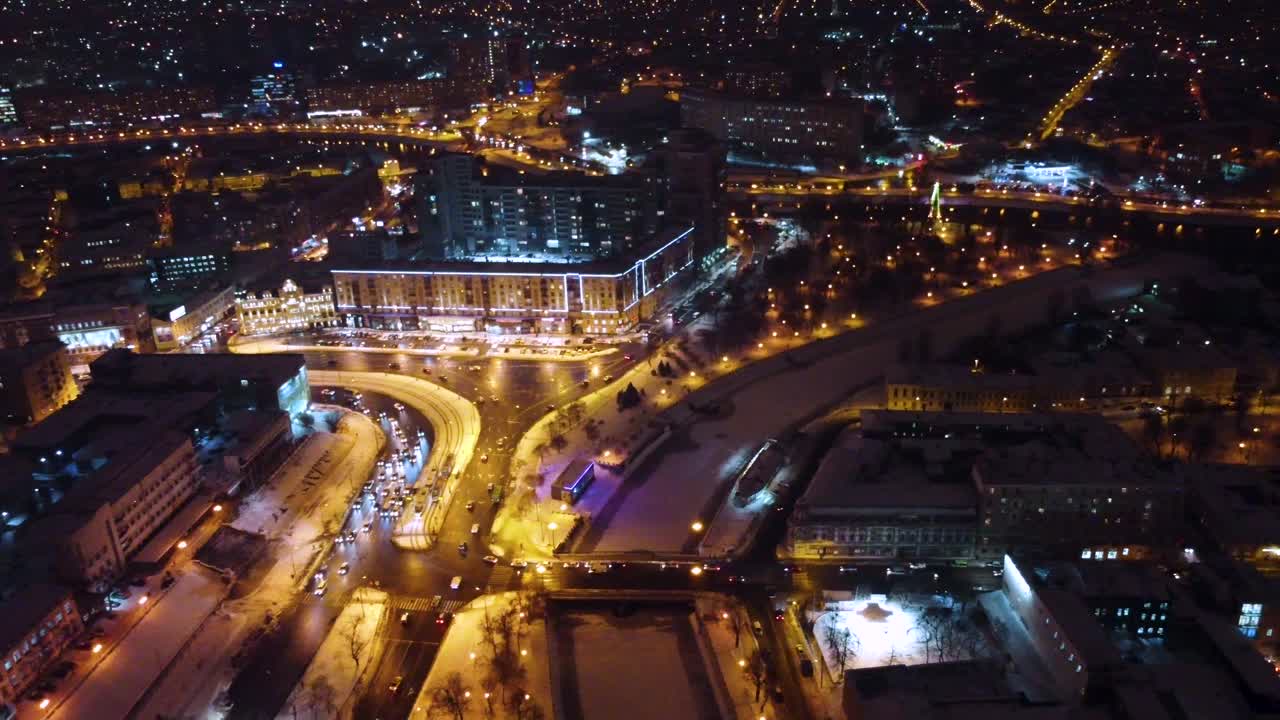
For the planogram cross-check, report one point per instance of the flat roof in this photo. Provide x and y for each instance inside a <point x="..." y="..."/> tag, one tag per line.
<point x="130" y="453"/>
<point x="97" y="408"/>
<point x="125" y="368"/>
<point x="868" y="473"/>
<point x="24" y="355"/>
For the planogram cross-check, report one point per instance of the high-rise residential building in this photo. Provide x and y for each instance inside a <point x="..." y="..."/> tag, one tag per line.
<point x="273" y="93"/>
<point x="8" y="113"/>
<point x="758" y="80"/>
<point x="687" y="171"/>
<point x="430" y="94"/>
<point x="786" y="129"/>
<point x="481" y="65"/>
<point x="472" y="209"/>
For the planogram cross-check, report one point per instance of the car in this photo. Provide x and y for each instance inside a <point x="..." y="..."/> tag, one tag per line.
<point x="551" y="407"/>
<point x="491" y="559"/>
<point x="399" y="407"/>
<point x="462" y="548"/>
<point x="519" y="563"/>
<point x="394" y="687"/>
<point x="456" y="582"/>
<point x="475" y="528"/>
<point x="444" y="618"/>
<point x="778" y="615"/>
<point x="333" y="362"/>
<point x="367" y="527"/>
<point x="404" y="618"/>
<point x="344" y="568"/>
<point x="484" y="458"/>
<point x="47" y="685"/>
<point x="63" y="669"/>
<point x="471" y="505"/>
<point x="393" y="366"/>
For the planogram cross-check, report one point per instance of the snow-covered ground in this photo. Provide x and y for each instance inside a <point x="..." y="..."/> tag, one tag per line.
<point x="732" y="655"/>
<point x="123" y="676"/>
<point x="655" y="677"/>
<point x="193" y="682"/>
<point x="766" y="398"/>
<point x="885" y="633"/>
<point x="462" y="652"/>
<point x="329" y="682"/>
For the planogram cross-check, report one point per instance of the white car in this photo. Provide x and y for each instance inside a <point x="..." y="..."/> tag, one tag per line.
<point x="456" y="582"/>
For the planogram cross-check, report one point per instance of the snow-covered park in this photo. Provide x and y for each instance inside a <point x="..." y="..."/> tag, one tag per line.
<point x="884" y="631"/>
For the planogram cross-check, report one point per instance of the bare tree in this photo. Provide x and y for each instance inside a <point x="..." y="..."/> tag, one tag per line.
<point x="452" y="698"/>
<point x="524" y="708"/>
<point x="843" y="646"/>
<point x="352" y="639"/>
<point x="757" y="670"/>
<point x="736" y="624"/>
<point x="320" y="698"/>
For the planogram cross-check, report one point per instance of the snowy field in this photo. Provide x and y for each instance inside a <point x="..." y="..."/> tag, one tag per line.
<point x="660" y="674"/>
<point x="885" y="633"/>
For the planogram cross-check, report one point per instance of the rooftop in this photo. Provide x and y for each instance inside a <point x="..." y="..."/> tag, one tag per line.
<point x="868" y="473"/>
<point x="20" y="357"/>
<point x="26" y="607"/>
<point x="609" y="266"/>
<point x="126" y="369"/>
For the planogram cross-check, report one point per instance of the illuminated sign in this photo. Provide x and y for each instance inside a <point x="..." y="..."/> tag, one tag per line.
<point x="177" y="312"/>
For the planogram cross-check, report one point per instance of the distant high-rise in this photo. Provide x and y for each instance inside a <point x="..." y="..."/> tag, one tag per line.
<point x="688" y="170"/>
<point x="273" y="93"/>
<point x="481" y="65"/>
<point x="8" y="114"/>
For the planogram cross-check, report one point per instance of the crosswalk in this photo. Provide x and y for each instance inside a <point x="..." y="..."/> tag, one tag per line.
<point x="435" y="603"/>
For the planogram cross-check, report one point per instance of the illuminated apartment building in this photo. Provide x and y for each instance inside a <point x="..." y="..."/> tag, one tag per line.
<point x="606" y="297"/>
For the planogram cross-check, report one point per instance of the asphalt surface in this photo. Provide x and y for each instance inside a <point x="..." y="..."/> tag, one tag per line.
<point x="523" y="390"/>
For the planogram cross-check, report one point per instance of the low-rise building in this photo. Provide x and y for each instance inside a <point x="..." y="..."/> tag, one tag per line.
<point x="39" y="622"/>
<point x="122" y="493"/>
<point x="932" y="387"/>
<point x="241" y="382"/>
<point x="879" y="497"/>
<point x="1237" y="510"/>
<point x="35" y="380"/>
<point x="288" y="309"/>
<point x="1066" y="635"/>
<point x="1076" y="484"/>
<point x="602" y="298"/>
<point x="175" y="327"/>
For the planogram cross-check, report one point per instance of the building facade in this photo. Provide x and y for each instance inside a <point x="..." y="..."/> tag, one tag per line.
<point x="600" y="298"/>
<point x="288" y="309"/>
<point x="180" y="325"/>
<point x="57" y="110"/>
<point x="40" y="621"/>
<point x="128" y="492"/>
<point x="385" y="95"/>
<point x="35" y="380"/>
<point x="870" y="500"/>
<point x="778" y="128"/>
<point x="174" y="269"/>
<point x="8" y="113"/>
<point x="472" y="209"/>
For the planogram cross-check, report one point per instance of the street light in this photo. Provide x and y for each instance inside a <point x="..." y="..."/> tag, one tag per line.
<point x="182" y="544"/>
<point x="217" y="508"/>
<point x="697" y="526"/>
<point x="696" y="570"/>
<point x="97" y="648"/>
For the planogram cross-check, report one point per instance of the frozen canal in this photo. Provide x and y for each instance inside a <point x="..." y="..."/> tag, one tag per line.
<point x="644" y="665"/>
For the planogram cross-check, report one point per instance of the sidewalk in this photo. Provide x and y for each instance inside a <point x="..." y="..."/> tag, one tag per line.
<point x="123" y="676"/>
<point x="733" y="660"/>
<point x="329" y="685"/>
<point x="463" y="652"/>
<point x="314" y="502"/>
